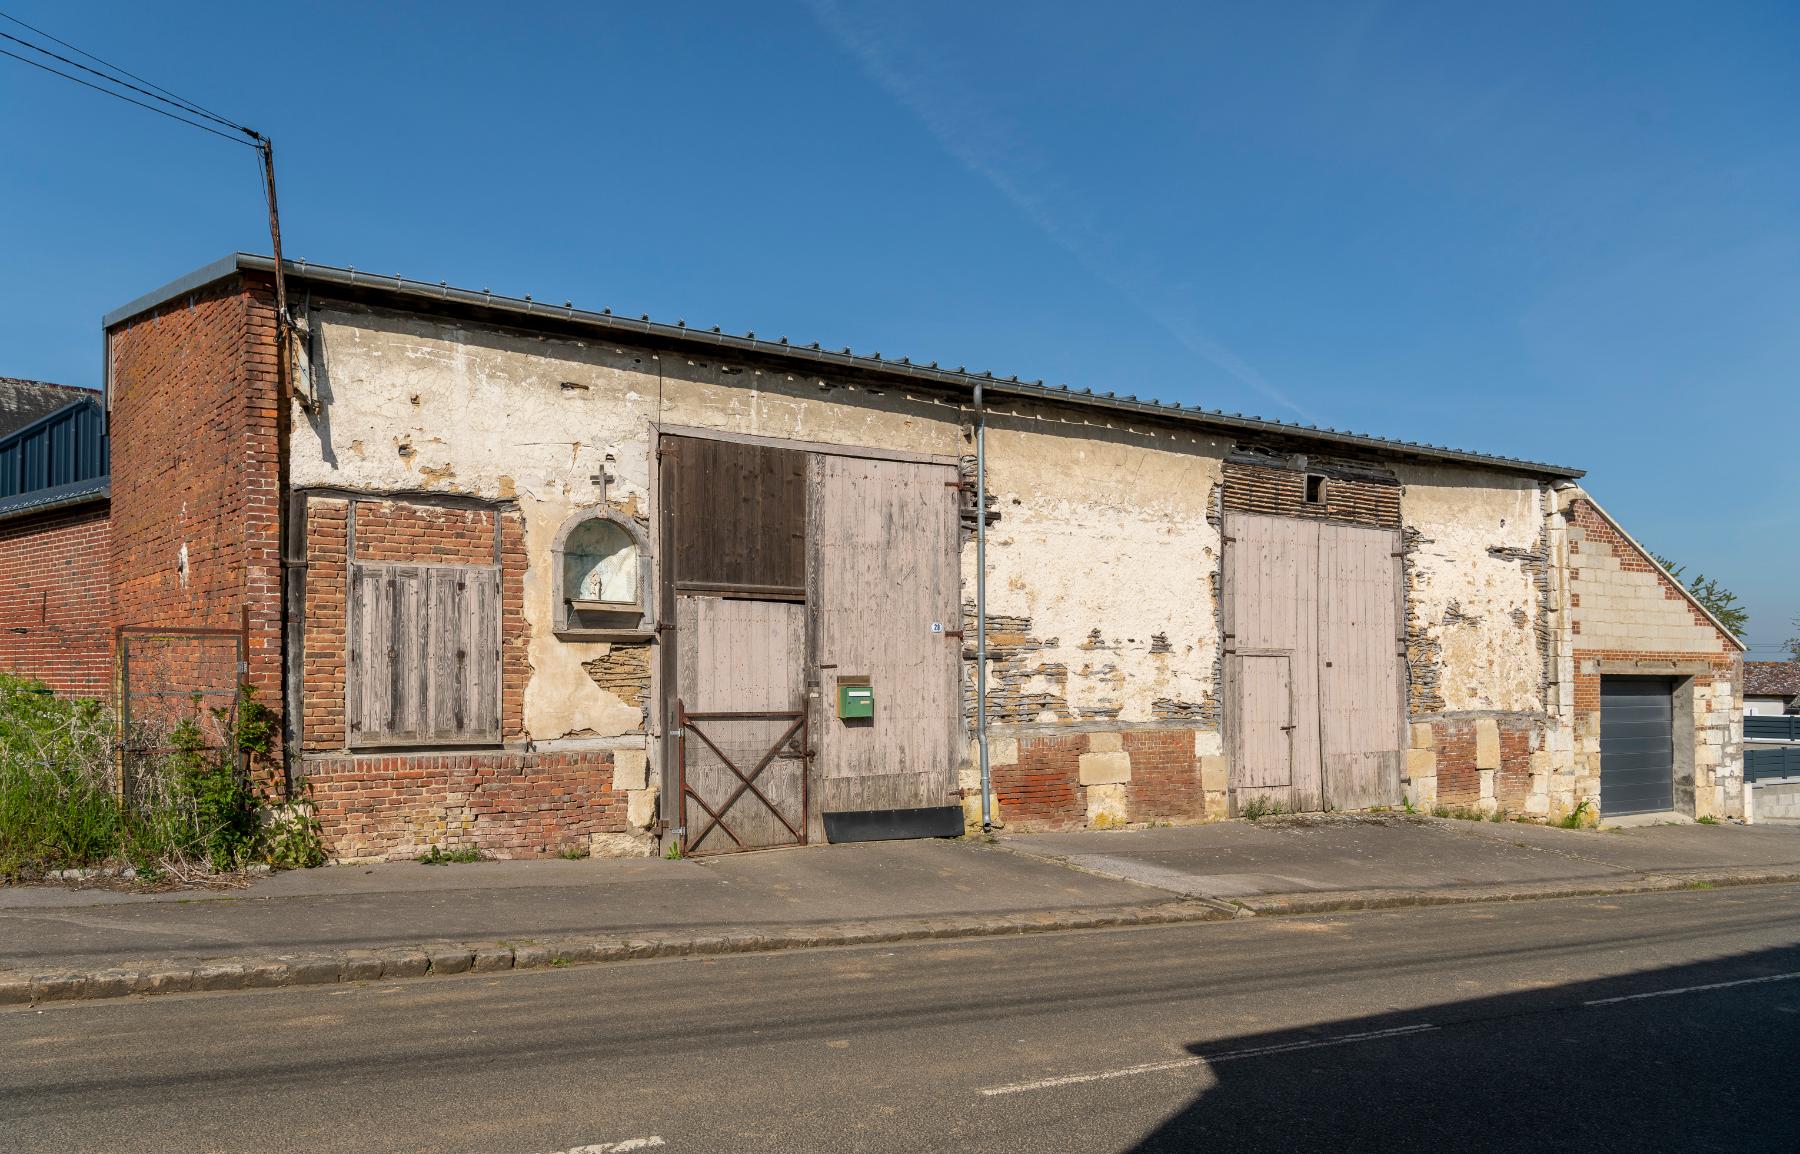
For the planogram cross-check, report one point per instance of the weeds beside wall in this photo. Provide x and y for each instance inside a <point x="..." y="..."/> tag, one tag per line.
<point x="186" y="806"/>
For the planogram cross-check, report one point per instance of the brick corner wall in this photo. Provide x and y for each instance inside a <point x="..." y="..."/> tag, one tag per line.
<point x="196" y="429"/>
<point x="1629" y="618"/>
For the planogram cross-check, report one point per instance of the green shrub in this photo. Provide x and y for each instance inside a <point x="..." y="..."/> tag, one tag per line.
<point x="186" y="804"/>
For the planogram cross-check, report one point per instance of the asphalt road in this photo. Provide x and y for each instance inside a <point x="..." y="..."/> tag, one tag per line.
<point x="1538" y="1026"/>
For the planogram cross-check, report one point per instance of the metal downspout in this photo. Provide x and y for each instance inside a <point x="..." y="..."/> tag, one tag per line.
<point x="981" y="729"/>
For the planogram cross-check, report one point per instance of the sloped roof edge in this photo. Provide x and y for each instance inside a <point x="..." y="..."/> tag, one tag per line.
<point x="56" y="497"/>
<point x="524" y="310"/>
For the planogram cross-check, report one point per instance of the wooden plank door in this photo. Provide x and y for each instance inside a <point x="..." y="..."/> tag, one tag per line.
<point x="744" y="658"/>
<point x="1263" y="750"/>
<point x="884" y="587"/>
<point x="1361" y="682"/>
<point x="1271" y="605"/>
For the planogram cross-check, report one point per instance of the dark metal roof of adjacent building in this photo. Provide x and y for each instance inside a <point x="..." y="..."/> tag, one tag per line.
<point x="59" y="459"/>
<point x="23" y="401"/>
<point x="526" y="312"/>
<point x="1772" y="678"/>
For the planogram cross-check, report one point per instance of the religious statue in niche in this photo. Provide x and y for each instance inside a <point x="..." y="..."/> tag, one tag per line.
<point x="601" y="566"/>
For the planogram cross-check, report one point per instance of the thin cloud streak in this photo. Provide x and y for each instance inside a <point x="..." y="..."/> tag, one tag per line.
<point x="950" y="113"/>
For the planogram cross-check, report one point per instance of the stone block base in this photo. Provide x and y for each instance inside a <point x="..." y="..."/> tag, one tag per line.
<point x="1107" y="778"/>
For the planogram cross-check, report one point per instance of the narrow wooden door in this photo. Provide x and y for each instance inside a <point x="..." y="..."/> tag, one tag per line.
<point x="1263" y="752"/>
<point x="1361" y="672"/>
<point x="884" y="590"/>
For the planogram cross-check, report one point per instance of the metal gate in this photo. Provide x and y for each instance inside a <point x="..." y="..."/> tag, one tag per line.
<point x="743" y="776"/>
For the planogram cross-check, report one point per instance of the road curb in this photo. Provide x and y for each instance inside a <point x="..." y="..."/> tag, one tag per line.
<point x="1348" y="900"/>
<point x="452" y="958"/>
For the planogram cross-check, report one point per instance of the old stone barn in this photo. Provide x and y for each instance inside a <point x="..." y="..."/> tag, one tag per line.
<point x="528" y="578"/>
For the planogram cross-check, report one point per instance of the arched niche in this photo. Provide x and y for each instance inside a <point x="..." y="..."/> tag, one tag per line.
<point x="602" y="567"/>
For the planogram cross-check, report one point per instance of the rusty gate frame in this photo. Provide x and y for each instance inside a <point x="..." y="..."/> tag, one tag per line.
<point x="122" y="635"/>
<point x="747" y="783"/>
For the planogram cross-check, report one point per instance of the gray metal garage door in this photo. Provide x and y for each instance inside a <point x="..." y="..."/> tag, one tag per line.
<point x="1637" y="748"/>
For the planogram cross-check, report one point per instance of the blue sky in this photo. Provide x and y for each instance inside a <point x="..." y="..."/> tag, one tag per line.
<point x="1565" y="232"/>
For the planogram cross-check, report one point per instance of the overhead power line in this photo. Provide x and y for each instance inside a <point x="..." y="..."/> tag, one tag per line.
<point x="171" y="100"/>
<point x="127" y="99"/>
<point x="190" y="105"/>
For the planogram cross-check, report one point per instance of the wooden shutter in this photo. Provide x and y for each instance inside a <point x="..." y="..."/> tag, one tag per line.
<point x="424" y="655"/>
<point x="738" y="518"/>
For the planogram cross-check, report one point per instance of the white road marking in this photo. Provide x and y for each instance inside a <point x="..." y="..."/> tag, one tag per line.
<point x="1187" y="1063"/>
<point x="1694" y="989"/>
<point x="615" y="1147"/>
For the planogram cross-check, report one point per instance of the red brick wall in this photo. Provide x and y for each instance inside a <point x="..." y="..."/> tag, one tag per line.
<point x="1282" y="493"/>
<point x="395" y="530"/>
<point x="1458" y="779"/>
<point x="1725" y="667"/>
<point x="1165" y="776"/>
<point x="507" y="805"/>
<point x="323" y="655"/>
<point x="56" y="600"/>
<point x="195" y="425"/>
<point x="1043" y="790"/>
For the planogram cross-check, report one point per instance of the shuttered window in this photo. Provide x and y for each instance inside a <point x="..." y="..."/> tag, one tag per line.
<point x="424" y="655"/>
<point x="737" y="519"/>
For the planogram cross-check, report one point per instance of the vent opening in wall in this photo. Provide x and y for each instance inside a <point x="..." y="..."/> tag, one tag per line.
<point x="1315" y="489"/>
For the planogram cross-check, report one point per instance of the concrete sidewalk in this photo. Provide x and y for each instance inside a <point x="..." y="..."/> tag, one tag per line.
<point x="1331" y="861"/>
<point x="404" y="919"/>
<point x="354" y="923"/>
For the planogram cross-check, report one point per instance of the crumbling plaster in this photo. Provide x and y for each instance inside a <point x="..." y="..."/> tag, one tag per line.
<point x="1104" y="544"/>
<point x="1481" y="608"/>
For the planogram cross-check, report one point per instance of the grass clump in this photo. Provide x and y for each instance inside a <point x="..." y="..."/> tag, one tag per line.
<point x="1577" y="817"/>
<point x="439" y="855"/>
<point x="176" y="801"/>
<point x="1259" y="807"/>
<point x="1707" y="819"/>
<point x="1458" y="812"/>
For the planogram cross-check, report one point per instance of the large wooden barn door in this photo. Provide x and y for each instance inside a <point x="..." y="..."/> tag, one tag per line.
<point x="1326" y="597"/>
<point x="885" y="590"/>
<point x="791" y="572"/>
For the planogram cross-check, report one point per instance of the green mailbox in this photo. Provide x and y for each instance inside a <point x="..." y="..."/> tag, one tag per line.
<point x="856" y="697"/>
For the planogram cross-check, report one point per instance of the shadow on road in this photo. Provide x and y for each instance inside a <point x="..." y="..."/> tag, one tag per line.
<point x="1587" y="1066"/>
